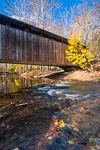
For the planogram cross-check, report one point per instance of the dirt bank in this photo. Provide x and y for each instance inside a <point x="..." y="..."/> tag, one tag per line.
<point x="77" y="75"/>
<point x="83" y="76"/>
<point x="40" y="74"/>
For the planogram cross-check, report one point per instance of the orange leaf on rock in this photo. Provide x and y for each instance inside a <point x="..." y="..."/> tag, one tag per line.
<point x="77" y="98"/>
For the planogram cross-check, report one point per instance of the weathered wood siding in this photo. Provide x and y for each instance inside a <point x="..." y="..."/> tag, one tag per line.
<point x="23" y="43"/>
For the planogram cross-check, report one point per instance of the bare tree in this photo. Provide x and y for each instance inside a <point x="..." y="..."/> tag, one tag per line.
<point x="43" y="12"/>
<point x="18" y="9"/>
<point x="86" y="17"/>
<point x="40" y="13"/>
<point x="86" y="22"/>
<point x="64" y="23"/>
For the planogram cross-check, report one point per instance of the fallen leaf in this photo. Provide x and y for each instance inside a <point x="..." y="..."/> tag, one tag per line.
<point x="77" y="98"/>
<point x="62" y="124"/>
<point x="83" y="108"/>
<point x="56" y="123"/>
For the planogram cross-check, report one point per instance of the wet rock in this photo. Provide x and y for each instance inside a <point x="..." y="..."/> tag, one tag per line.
<point x="50" y="137"/>
<point x="59" y="142"/>
<point x="70" y="142"/>
<point x="24" y="104"/>
<point x="4" y="115"/>
<point x="16" y="149"/>
<point x="99" y="135"/>
<point x="93" y="148"/>
<point x="91" y="140"/>
<point x="2" y="124"/>
<point x="97" y="142"/>
<point x="21" y="148"/>
<point x="84" y="141"/>
<point x="76" y="129"/>
<point x="68" y="128"/>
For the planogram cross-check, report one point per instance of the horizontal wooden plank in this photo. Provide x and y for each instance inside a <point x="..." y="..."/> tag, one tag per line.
<point x="34" y="63"/>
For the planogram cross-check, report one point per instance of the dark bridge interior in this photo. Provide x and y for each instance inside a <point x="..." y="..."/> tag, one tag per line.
<point x="26" y="44"/>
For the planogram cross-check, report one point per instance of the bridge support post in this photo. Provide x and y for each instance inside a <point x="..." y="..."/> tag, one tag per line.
<point x="5" y="66"/>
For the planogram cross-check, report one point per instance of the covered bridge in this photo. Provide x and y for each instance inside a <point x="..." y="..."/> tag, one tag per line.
<point x="27" y="44"/>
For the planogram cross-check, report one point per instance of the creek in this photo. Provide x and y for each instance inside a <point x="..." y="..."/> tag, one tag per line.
<point x="44" y="114"/>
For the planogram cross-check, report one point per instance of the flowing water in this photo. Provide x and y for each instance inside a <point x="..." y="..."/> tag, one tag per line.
<point x="39" y="115"/>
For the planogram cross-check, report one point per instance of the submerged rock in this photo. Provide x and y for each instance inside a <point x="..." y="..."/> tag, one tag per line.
<point x="97" y="142"/>
<point x="91" y="140"/>
<point x="59" y="142"/>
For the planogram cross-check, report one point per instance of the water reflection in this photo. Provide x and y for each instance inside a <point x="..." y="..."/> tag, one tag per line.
<point x="11" y="84"/>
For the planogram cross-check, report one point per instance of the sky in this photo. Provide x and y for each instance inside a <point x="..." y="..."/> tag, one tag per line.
<point x="65" y="3"/>
<point x="69" y="3"/>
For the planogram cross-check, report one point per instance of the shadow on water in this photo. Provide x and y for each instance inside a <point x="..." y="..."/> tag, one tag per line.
<point x="39" y="115"/>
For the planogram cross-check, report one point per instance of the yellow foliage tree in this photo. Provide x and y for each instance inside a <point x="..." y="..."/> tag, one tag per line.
<point x="77" y="54"/>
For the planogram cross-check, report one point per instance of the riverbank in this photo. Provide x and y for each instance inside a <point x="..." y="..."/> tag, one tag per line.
<point x="41" y="74"/>
<point x="83" y="76"/>
<point x="79" y="75"/>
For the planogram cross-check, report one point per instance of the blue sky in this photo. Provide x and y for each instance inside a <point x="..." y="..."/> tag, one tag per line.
<point x="69" y="3"/>
<point x="65" y="3"/>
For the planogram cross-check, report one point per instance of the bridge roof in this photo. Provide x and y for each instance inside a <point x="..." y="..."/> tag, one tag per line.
<point x="5" y="20"/>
